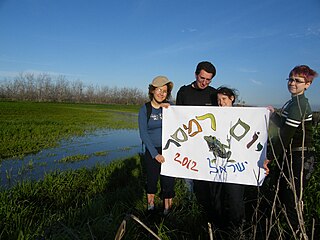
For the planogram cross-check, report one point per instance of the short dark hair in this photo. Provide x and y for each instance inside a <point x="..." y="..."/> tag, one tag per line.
<point x="228" y="92"/>
<point x="206" y="66"/>
<point x="304" y="71"/>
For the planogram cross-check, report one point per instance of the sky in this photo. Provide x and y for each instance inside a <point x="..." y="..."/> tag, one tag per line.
<point x="126" y="43"/>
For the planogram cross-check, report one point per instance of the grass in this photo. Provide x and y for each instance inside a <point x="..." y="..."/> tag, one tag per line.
<point x="92" y="203"/>
<point x="74" y="158"/>
<point x="27" y="127"/>
<point x="101" y="153"/>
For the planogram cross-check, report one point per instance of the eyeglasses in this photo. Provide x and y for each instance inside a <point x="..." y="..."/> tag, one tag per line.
<point x="159" y="90"/>
<point x="296" y="80"/>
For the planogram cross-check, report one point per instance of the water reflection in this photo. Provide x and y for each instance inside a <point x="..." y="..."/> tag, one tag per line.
<point x="102" y="147"/>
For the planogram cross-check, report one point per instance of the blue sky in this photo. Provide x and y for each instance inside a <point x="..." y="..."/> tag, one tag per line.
<point x="253" y="44"/>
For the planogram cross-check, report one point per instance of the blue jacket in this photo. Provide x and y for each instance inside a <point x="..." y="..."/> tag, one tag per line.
<point x="151" y="131"/>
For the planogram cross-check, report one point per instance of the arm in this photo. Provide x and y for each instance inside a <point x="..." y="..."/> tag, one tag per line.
<point x="143" y="131"/>
<point x="165" y="105"/>
<point x="179" y="98"/>
<point x="285" y="134"/>
<point x="280" y="143"/>
<point x="274" y="117"/>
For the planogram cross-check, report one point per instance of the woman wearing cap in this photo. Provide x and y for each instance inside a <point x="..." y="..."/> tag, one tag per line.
<point x="150" y="129"/>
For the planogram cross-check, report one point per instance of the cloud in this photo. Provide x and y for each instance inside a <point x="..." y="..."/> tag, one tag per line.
<point x="246" y="70"/>
<point x="313" y="31"/>
<point x="308" y="32"/>
<point x="264" y="33"/>
<point x="189" y="30"/>
<point x="256" y="82"/>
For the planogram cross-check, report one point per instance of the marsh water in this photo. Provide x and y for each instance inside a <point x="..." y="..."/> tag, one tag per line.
<point x="100" y="147"/>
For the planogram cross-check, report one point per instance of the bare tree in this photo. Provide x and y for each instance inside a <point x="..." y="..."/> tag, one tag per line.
<point x="76" y="90"/>
<point x="43" y="87"/>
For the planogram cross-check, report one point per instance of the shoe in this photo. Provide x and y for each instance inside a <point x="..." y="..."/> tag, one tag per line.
<point x="150" y="207"/>
<point x="166" y="211"/>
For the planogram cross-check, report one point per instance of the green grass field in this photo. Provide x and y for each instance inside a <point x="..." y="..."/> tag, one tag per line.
<point x="27" y="127"/>
<point x="92" y="203"/>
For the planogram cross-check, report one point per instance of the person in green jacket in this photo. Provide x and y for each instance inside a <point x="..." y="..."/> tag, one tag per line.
<point x="293" y="147"/>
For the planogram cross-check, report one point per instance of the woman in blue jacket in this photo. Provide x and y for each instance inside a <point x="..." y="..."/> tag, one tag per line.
<point x="150" y="129"/>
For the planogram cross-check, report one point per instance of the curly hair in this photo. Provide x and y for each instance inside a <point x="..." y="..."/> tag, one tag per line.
<point x="152" y="88"/>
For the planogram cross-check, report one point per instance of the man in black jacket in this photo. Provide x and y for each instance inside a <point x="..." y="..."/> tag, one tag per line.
<point x="199" y="93"/>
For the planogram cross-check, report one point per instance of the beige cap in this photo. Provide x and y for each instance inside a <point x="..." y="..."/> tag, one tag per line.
<point x="160" y="81"/>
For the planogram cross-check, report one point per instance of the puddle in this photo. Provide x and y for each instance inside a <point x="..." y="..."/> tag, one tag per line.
<point x="101" y="147"/>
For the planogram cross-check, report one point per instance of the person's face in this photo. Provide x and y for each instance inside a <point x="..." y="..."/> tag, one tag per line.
<point x="297" y="85"/>
<point x="160" y="93"/>
<point x="224" y="100"/>
<point x="203" y="79"/>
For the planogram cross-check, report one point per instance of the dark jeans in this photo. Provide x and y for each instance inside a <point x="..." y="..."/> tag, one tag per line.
<point x="286" y="193"/>
<point x="201" y="190"/>
<point x="228" y="204"/>
<point x="222" y="202"/>
<point x="153" y="168"/>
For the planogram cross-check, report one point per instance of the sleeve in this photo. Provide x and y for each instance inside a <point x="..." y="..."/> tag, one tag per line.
<point x="281" y="141"/>
<point x="179" y="98"/>
<point x="214" y="96"/>
<point x="143" y="131"/>
<point x="276" y="119"/>
<point x="286" y="132"/>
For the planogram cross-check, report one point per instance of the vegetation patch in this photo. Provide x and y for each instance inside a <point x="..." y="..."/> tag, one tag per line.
<point x="74" y="158"/>
<point x="92" y="204"/>
<point x="125" y="149"/>
<point x="27" y="127"/>
<point x="102" y="153"/>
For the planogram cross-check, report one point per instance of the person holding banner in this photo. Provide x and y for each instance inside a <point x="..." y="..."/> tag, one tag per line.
<point x="293" y="147"/>
<point x="228" y="209"/>
<point x="150" y="129"/>
<point x="199" y="93"/>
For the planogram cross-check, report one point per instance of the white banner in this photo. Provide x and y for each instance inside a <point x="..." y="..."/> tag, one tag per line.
<point x="220" y="144"/>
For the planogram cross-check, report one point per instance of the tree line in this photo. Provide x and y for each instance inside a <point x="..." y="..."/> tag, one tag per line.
<point x="47" y="88"/>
